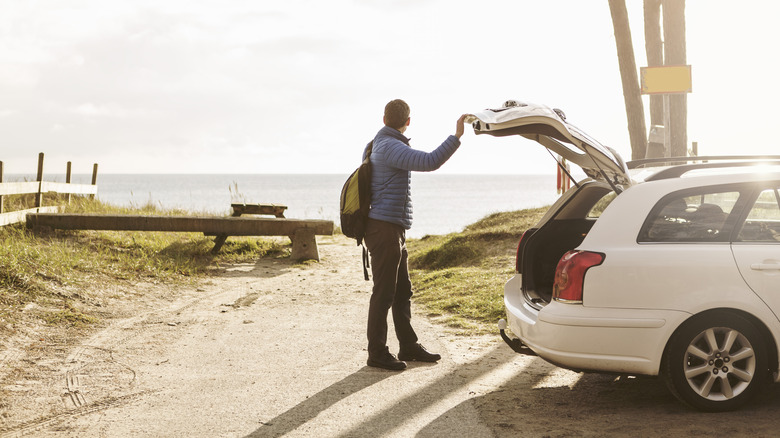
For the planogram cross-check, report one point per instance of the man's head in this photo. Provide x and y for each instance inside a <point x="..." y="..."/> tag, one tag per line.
<point x="397" y="114"/>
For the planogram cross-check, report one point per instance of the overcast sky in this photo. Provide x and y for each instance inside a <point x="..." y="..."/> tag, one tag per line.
<point x="293" y="86"/>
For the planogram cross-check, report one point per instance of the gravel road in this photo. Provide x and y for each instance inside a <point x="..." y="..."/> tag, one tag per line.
<point x="277" y="349"/>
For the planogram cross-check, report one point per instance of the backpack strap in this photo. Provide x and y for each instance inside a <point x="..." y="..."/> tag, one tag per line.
<point x="366" y="263"/>
<point x="360" y="241"/>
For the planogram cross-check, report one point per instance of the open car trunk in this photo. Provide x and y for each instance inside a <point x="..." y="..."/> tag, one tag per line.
<point x="569" y="220"/>
<point x="564" y="228"/>
<point x="549" y="128"/>
<point x="541" y="254"/>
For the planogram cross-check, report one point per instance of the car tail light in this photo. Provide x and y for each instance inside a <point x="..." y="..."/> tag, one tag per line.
<point x="570" y="274"/>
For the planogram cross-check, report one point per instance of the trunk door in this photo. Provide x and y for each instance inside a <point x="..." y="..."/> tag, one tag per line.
<point x="549" y="128"/>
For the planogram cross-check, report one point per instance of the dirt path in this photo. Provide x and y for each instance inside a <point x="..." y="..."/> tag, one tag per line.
<point x="277" y="349"/>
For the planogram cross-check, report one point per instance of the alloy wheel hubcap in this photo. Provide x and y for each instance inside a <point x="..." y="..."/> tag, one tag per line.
<point x="719" y="363"/>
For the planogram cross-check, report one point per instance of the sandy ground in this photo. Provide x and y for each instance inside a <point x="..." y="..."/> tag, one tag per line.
<point x="276" y="349"/>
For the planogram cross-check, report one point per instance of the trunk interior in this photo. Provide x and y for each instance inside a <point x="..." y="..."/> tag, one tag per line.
<point x="569" y="222"/>
<point x="543" y="250"/>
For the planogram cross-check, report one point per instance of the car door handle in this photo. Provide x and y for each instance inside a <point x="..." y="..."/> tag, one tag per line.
<point x="765" y="266"/>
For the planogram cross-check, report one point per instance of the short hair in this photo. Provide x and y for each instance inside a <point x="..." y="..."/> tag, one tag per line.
<point x="396" y="113"/>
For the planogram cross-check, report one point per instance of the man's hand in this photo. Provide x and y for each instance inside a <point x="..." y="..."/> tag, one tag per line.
<point x="460" y="126"/>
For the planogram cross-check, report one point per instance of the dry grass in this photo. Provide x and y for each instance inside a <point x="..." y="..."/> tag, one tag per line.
<point x="56" y="271"/>
<point x="459" y="277"/>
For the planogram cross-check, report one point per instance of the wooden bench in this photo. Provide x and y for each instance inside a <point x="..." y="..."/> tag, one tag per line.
<point x="267" y="209"/>
<point x="301" y="231"/>
<point x="275" y="210"/>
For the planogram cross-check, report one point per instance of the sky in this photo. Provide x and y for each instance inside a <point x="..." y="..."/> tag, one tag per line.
<point x="297" y="86"/>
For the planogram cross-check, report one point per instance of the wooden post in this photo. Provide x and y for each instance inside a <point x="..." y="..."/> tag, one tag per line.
<point x="39" y="195"/>
<point x="1" y="181"/>
<point x="94" y="178"/>
<point x="304" y="245"/>
<point x="67" y="177"/>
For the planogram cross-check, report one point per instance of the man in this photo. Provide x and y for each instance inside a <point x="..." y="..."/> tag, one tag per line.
<point x="390" y="215"/>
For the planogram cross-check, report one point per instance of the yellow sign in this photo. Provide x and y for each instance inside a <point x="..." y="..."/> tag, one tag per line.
<point x="670" y="79"/>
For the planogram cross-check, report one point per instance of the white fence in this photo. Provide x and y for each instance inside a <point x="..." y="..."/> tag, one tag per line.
<point x="39" y="188"/>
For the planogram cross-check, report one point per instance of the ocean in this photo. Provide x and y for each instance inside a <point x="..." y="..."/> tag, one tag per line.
<point x="442" y="203"/>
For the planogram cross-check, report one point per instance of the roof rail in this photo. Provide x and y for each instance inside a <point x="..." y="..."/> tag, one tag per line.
<point x="665" y="161"/>
<point x="680" y="170"/>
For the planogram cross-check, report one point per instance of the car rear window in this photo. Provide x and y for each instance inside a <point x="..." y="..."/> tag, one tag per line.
<point x="699" y="217"/>
<point x="601" y="205"/>
<point x="763" y="220"/>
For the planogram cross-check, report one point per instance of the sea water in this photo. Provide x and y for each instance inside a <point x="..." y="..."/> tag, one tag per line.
<point x="442" y="203"/>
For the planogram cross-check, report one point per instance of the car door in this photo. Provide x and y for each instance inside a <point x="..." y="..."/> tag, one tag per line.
<point x="756" y="248"/>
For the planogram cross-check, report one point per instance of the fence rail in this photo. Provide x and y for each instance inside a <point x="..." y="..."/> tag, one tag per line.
<point x="43" y="187"/>
<point x="39" y="188"/>
<point x="14" y="217"/>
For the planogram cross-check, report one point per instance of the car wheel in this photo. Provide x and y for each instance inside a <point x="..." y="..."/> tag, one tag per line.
<point x="716" y="362"/>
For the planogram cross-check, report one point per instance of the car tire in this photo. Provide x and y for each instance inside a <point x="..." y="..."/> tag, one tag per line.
<point x="716" y="362"/>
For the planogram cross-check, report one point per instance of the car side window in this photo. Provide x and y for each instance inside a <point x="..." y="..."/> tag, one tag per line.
<point x="763" y="220"/>
<point x="601" y="205"/>
<point x="690" y="218"/>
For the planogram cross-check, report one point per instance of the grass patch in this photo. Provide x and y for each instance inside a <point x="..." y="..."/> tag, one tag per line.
<point x="460" y="277"/>
<point x="462" y="293"/>
<point x="55" y="270"/>
<point x="68" y="316"/>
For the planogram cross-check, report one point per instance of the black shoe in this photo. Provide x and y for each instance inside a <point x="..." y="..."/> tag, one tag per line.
<point x="417" y="352"/>
<point x="387" y="361"/>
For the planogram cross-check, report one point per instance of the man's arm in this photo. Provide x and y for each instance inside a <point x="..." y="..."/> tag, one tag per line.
<point x="403" y="157"/>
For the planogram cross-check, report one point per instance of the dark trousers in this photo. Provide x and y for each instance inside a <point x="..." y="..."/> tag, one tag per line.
<point x="386" y="245"/>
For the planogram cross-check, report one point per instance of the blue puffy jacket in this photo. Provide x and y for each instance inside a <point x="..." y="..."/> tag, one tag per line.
<point x="392" y="160"/>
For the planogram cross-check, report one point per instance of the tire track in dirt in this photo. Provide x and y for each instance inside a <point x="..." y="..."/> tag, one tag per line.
<point x="92" y="378"/>
<point x="38" y="424"/>
<point x="12" y="353"/>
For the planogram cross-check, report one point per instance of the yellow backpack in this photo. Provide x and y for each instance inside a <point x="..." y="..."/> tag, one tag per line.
<point x="355" y="200"/>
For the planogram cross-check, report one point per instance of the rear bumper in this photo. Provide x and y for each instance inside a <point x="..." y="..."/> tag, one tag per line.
<point x="577" y="337"/>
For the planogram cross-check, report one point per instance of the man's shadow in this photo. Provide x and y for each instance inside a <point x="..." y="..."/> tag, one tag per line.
<point x="308" y="409"/>
<point x="406" y="407"/>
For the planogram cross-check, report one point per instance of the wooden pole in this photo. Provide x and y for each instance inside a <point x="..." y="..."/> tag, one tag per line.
<point x="94" y="178"/>
<point x="39" y="195"/>
<point x="67" y="177"/>
<point x="655" y="58"/>
<point x="635" y="111"/>
<point x="675" y="53"/>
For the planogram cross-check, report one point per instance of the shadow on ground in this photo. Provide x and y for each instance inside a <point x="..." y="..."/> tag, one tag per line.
<point x="320" y="402"/>
<point x="539" y="400"/>
<point x="396" y="416"/>
<point x="608" y="405"/>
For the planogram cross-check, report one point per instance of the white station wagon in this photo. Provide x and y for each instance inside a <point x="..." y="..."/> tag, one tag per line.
<point x="671" y="271"/>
